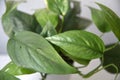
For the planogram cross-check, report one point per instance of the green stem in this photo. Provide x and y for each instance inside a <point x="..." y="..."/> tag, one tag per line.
<point x="90" y="73"/>
<point x="113" y="65"/>
<point x="112" y="46"/>
<point x="61" y="27"/>
<point x="101" y="34"/>
<point x="44" y="76"/>
<point x="97" y="70"/>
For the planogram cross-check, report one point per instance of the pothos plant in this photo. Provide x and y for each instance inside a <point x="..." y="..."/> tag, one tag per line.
<point x="53" y="38"/>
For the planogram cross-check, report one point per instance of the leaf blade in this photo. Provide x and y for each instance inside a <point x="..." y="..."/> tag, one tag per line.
<point x="58" y="6"/>
<point x="13" y="69"/>
<point x="14" y="21"/>
<point x="79" y="44"/>
<point x="99" y="20"/>
<point x="6" y="76"/>
<point x="45" y="16"/>
<point x="112" y="18"/>
<point x="41" y="56"/>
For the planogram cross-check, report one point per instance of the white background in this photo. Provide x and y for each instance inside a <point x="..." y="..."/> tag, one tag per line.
<point x="31" y="5"/>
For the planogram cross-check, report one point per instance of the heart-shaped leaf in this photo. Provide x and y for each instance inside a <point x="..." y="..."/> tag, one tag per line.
<point x="99" y="19"/>
<point x="6" y="76"/>
<point x="32" y="51"/>
<point x="45" y="16"/>
<point x="13" y="69"/>
<point x="58" y="6"/>
<point x="79" y="44"/>
<point x="112" y="19"/>
<point x="14" y="21"/>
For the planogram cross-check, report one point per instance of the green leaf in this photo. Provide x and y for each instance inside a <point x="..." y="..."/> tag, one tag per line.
<point x="76" y="7"/>
<point x="70" y="57"/>
<point x="48" y="30"/>
<point x="75" y="23"/>
<point x="112" y="19"/>
<point x="31" y="50"/>
<point x="99" y="19"/>
<point x="14" y="21"/>
<point x="6" y="76"/>
<point x="13" y="69"/>
<point x="58" y="6"/>
<point x="79" y="44"/>
<point x="45" y="16"/>
<point x="112" y="57"/>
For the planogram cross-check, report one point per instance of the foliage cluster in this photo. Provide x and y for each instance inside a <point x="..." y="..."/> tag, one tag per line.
<point x="51" y="39"/>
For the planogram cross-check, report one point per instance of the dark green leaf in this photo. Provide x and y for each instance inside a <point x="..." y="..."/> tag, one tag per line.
<point x="112" y="19"/>
<point x="112" y="57"/>
<point x="99" y="20"/>
<point x="58" y="6"/>
<point x="76" y="7"/>
<point x="13" y="69"/>
<point x="45" y="16"/>
<point x="14" y="21"/>
<point x="6" y="76"/>
<point x="75" y="23"/>
<point x="79" y="44"/>
<point x="48" y="30"/>
<point x="32" y="51"/>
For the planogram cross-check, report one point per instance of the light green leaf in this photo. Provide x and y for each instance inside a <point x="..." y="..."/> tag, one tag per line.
<point x="45" y="16"/>
<point x="6" y="76"/>
<point x="13" y="69"/>
<point x="79" y="44"/>
<point x="32" y="51"/>
<point x="112" y="19"/>
<point x="14" y="21"/>
<point x="99" y="19"/>
<point x="58" y="6"/>
<point x="48" y="31"/>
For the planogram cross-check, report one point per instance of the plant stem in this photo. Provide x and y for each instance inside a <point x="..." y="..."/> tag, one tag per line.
<point x="97" y="70"/>
<point x="44" y="76"/>
<point x="112" y="46"/>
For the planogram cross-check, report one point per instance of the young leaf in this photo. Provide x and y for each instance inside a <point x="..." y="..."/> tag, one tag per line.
<point x="32" y="51"/>
<point x="100" y="20"/>
<point x="79" y="44"/>
<point x="112" y="19"/>
<point x="6" y="76"/>
<point x="14" y="21"/>
<point x="45" y="16"/>
<point x="58" y="6"/>
<point x="13" y="69"/>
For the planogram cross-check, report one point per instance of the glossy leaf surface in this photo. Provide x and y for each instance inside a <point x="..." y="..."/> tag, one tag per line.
<point x="13" y="69"/>
<point x="6" y="76"/>
<point x="32" y="51"/>
<point x="99" y="19"/>
<point x="79" y="44"/>
<point x="46" y="16"/>
<point x="112" y="19"/>
<point x="14" y="21"/>
<point x="58" y="6"/>
<point x="112" y="57"/>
